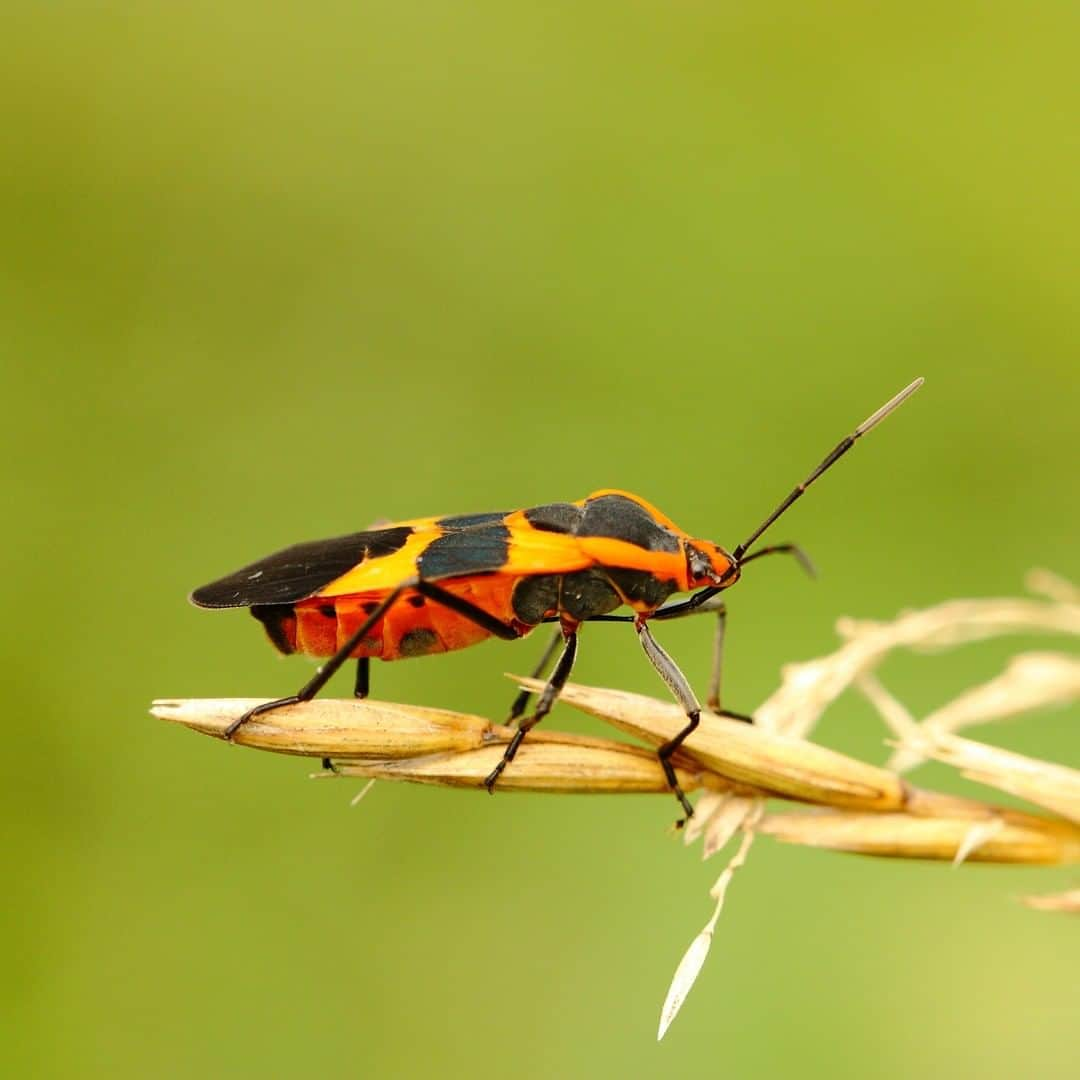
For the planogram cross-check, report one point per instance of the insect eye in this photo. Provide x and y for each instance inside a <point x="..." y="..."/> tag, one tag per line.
<point x="699" y="563"/>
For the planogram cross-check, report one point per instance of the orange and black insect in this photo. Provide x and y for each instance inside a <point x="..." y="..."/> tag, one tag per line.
<point x="432" y="585"/>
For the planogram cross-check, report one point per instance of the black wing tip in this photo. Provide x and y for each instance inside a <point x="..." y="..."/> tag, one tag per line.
<point x="214" y="596"/>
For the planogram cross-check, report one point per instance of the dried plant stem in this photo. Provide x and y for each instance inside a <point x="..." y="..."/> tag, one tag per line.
<point x="1012" y="837"/>
<point x="872" y="811"/>
<point x="434" y="746"/>
<point x="809" y="687"/>
<point x="746" y="754"/>
<point x="854" y="806"/>
<point x="694" y="958"/>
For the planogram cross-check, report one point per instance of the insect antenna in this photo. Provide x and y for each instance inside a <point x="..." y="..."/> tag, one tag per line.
<point x="834" y="456"/>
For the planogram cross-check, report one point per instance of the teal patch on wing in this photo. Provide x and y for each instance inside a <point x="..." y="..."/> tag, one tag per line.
<point x="481" y="549"/>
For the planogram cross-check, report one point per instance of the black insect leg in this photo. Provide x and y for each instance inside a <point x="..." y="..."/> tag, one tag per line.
<point x="543" y="706"/>
<point x="433" y="592"/>
<point x="360" y="690"/>
<point x="466" y="609"/>
<point x="706" y="601"/>
<point x="521" y="702"/>
<point x="363" y="677"/>
<point x="327" y="671"/>
<point x="677" y="684"/>
<point x="713" y="700"/>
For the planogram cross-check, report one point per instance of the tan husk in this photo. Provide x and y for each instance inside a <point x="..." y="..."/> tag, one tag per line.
<point x="434" y="746"/>
<point x="329" y="728"/>
<point x="745" y="753"/>
<point x="548" y="765"/>
<point x="874" y="812"/>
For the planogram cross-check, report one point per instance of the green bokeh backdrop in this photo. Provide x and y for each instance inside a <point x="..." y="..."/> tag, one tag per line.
<point x="268" y="276"/>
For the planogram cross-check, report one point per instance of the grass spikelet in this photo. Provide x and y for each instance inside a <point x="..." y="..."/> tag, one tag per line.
<point x="820" y="798"/>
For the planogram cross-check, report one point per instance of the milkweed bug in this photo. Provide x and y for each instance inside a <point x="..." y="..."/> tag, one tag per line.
<point x="435" y="584"/>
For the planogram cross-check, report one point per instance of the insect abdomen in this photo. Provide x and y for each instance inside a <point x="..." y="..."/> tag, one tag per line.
<point x="413" y="626"/>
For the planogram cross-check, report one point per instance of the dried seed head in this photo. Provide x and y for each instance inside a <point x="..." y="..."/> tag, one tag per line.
<point x="746" y="754"/>
<point x="861" y="808"/>
<point x="553" y="764"/>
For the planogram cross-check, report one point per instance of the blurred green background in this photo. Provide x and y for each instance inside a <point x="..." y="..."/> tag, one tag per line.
<point x="269" y="276"/>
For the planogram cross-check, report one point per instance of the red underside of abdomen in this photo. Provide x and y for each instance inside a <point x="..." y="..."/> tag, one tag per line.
<point x="413" y="626"/>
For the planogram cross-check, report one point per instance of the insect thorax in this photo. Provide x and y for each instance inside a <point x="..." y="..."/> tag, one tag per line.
<point x="599" y="590"/>
<point x="585" y="594"/>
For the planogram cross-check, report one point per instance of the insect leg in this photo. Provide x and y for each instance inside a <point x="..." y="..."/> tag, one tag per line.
<point x="707" y="605"/>
<point x="363" y="677"/>
<point x="543" y="706"/>
<point x="711" y="604"/>
<point x="713" y="700"/>
<point x="360" y="690"/>
<point x="521" y="702"/>
<point x="466" y="609"/>
<point x="677" y="684"/>
<point x="326" y="672"/>
<point x="500" y="629"/>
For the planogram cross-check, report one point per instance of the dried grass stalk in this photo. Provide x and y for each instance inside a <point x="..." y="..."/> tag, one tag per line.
<point x="928" y="825"/>
<point x="328" y="728"/>
<point x="435" y="746"/>
<point x="745" y="753"/>
<point x="1055" y="787"/>
<point x="694" y="958"/>
<point x="808" y="688"/>
<point x="377" y="740"/>
<point x="860" y="808"/>
<point x="1010" y="837"/>
<point x="1030" y="681"/>
<point x="543" y="765"/>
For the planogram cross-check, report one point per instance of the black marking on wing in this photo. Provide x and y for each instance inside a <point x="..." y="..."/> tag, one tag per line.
<point x="299" y="571"/>
<point x="479" y="550"/>
<point x="620" y="518"/>
<point x="555" y="517"/>
<point x="467" y="521"/>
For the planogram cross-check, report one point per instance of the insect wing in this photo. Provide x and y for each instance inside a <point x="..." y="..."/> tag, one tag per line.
<point x="300" y="571"/>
